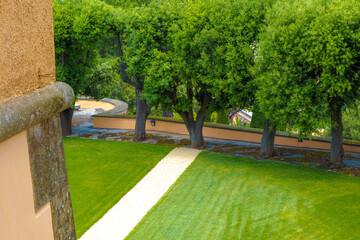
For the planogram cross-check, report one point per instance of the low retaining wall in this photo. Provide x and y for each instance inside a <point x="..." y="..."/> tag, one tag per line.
<point x="92" y="104"/>
<point x="110" y="106"/>
<point x="218" y="131"/>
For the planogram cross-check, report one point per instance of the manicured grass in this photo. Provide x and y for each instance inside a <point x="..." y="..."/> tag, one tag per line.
<point x="227" y="197"/>
<point x="101" y="172"/>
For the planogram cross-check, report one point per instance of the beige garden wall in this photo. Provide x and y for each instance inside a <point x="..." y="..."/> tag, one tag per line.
<point x="215" y="132"/>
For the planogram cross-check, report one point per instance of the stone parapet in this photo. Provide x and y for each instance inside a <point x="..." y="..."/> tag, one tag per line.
<point x="23" y="112"/>
<point x="120" y="106"/>
<point x="35" y="117"/>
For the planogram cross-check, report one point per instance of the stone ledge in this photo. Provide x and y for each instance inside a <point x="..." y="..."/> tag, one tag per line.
<point x="23" y="112"/>
<point x="120" y="106"/>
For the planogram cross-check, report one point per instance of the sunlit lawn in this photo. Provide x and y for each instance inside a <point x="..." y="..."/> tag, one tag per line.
<point x="100" y="172"/>
<point x="227" y="197"/>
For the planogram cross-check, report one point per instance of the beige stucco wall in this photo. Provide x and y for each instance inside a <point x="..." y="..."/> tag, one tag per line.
<point x="26" y="46"/>
<point x="91" y="104"/>
<point x="227" y="134"/>
<point x="18" y="219"/>
<point x="124" y="123"/>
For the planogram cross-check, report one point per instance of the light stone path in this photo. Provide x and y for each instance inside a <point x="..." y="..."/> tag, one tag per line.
<point x="123" y="217"/>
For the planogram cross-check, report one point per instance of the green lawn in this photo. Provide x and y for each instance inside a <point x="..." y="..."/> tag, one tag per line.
<point x="101" y="172"/>
<point x="227" y="197"/>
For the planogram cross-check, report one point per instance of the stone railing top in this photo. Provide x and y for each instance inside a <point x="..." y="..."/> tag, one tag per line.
<point x="120" y="107"/>
<point x="23" y="112"/>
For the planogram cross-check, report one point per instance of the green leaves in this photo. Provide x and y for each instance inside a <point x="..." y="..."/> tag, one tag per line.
<point x="185" y="50"/>
<point x="309" y="56"/>
<point x="90" y="23"/>
<point x="79" y="26"/>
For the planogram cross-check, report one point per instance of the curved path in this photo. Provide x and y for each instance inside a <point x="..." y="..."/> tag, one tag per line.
<point x="123" y="217"/>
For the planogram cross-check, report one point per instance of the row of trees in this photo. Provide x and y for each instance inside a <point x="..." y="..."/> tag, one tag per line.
<point x="308" y="67"/>
<point x="168" y="41"/>
<point x="297" y="61"/>
<point x="195" y="56"/>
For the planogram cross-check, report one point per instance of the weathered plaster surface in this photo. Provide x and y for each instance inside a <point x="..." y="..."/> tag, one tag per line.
<point x="50" y="182"/>
<point x="18" y="219"/>
<point x="23" y="112"/>
<point x="27" y="56"/>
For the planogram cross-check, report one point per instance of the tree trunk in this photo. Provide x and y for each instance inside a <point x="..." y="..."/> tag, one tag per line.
<point x="196" y="134"/>
<point x="195" y="128"/>
<point x="336" y="150"/>
<point x="142" y="111"/>
<point x="66" y="119"/>
<point x="62" y="59"/>
<point x="268" y="140"/>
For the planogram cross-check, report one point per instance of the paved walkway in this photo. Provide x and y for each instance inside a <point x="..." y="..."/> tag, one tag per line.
<point x="124" y="216"/>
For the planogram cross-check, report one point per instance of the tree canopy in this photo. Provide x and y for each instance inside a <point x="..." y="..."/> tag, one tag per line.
<point x="195" y="56"/>
<point x="308" y="65"/>
<point x="79" y="26"/>
<point x="199" y="57"/>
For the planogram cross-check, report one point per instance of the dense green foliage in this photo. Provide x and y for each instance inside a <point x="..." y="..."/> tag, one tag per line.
<point x="101" y="172"/>
<point x="227" y="197"/>
<point x="193" y="57"/>
<point x="220" y="116"/>
<point x="351" y="121"/>
<point x="86" y="48"/>
<point x="308" y="66"/>
<point x="127" y="3"/>
<point x="199" y="49"/>
<point x="309" y="60"/>
<point x="79" y="26"/>
<point x="258" y="117"/>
